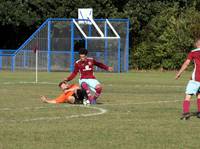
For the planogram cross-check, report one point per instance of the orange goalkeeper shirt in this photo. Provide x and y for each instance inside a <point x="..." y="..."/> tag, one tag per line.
<point x="64" y="97"/>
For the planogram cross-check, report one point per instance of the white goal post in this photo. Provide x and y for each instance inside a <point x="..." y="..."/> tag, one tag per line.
<point x="102" y="35"/>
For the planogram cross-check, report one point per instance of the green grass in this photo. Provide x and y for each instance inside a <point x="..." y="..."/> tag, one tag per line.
<point x="143" y="111"/>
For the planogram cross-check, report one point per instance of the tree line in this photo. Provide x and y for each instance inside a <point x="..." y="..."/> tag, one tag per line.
<point x="162" y="32"/>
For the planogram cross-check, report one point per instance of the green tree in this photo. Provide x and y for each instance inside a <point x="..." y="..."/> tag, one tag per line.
<point x="168" y="38"/>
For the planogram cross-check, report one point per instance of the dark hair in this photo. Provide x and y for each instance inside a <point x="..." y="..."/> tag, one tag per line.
<point x="83" y="51"/>
<point x="63" y="82"/>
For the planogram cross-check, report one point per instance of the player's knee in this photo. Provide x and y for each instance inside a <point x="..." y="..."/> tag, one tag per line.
<point x="98" y="88"/>
<point x="84" y="85"/>
<point x="188" y="97"/>
<point x="71" y="99"/>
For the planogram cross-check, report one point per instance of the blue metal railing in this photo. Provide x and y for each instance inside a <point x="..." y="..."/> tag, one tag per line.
<point x="7" y="52"/>
<point x="13" y="52"/>
<point x="31" y="37"/>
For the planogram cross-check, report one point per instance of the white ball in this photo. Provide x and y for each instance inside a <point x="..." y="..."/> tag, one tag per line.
<point x="86" y="102"/>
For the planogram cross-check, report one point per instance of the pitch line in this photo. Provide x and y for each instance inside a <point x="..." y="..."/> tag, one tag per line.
<point x="34" y="108"/>
<point x="143" y="103"/>
<point x="101" y="111"/>
<point x="23" y="82"/>
<point x="51" y="83"/>
<point x="108" y="104"/>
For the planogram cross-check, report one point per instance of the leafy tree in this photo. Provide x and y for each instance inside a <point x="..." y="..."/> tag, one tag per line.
<point x="169" y="36"/>
<point x="161" y="33"/>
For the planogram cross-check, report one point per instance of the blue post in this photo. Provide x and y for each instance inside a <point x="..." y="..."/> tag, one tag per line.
<point x="86" y="44"/>
<point x="0" y="60"/>
<point x="13" y="63"/>
<point x="72" y="47"/>
<point x="118" y="56"/>
<point x="127" y="46"/>
<point x="98" y="56"/>
<point x="24" y="60"/>
<point x="49" y="48"/>
<point x="89" y="34"/>
<point x="27" y="58"/>
<point x="89" y="30"/>
<point x="106" y="44"/>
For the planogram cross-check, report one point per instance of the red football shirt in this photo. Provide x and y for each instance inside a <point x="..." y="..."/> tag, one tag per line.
<point x="86" y="68"/>
<point x="195" y="56"/>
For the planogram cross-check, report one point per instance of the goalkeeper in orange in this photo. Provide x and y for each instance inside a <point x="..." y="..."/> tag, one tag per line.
<point x="72" y="94"/>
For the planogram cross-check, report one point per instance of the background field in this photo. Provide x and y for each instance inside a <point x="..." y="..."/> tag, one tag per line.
<point x="137" y="110"/>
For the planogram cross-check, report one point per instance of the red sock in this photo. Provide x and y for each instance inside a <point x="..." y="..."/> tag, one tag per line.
<point x="85" y="86"/>
<point x="198" y="104"/>
<point x="98" y="92"/>
<point x="186" y="106"/>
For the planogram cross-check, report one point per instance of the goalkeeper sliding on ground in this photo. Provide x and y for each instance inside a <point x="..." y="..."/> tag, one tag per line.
<point x="72" y="94"/>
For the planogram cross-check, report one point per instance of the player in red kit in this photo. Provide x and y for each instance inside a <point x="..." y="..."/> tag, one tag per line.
<point x="87" y="81"/>
<point x="193" y="86"/>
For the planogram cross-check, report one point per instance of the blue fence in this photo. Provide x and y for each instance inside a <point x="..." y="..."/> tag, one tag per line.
<point x="56" y="41"/>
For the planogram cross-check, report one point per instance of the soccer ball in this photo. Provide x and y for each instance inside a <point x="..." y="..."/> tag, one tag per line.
<point x="86" y="102"/>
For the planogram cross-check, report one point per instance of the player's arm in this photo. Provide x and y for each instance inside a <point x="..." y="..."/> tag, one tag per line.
<point x="102" y="66"/>
<point x="73" y="74"/>
<point x="183" y="67"/>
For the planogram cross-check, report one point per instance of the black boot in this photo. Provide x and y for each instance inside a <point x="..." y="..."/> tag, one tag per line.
<point x="186" y="116"/>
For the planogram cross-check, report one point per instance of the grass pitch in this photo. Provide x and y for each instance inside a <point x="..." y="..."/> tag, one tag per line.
<point x="136" y="110"/>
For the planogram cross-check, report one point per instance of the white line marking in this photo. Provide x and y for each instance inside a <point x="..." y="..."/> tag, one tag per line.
<point x="143" y="103"/>
<point x="28" y="83"/>
<point x="52" y="83"/>
<point x="101" y="111"/>
<point x="32" y="108"/>
<point x="108" y="104"/>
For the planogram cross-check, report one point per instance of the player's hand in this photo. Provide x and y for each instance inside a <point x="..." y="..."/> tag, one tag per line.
<point x="44" y="99"/>
<point x="65" y="79"/>
<point x="110" y="69"/>
<point x="177" y="76"/>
